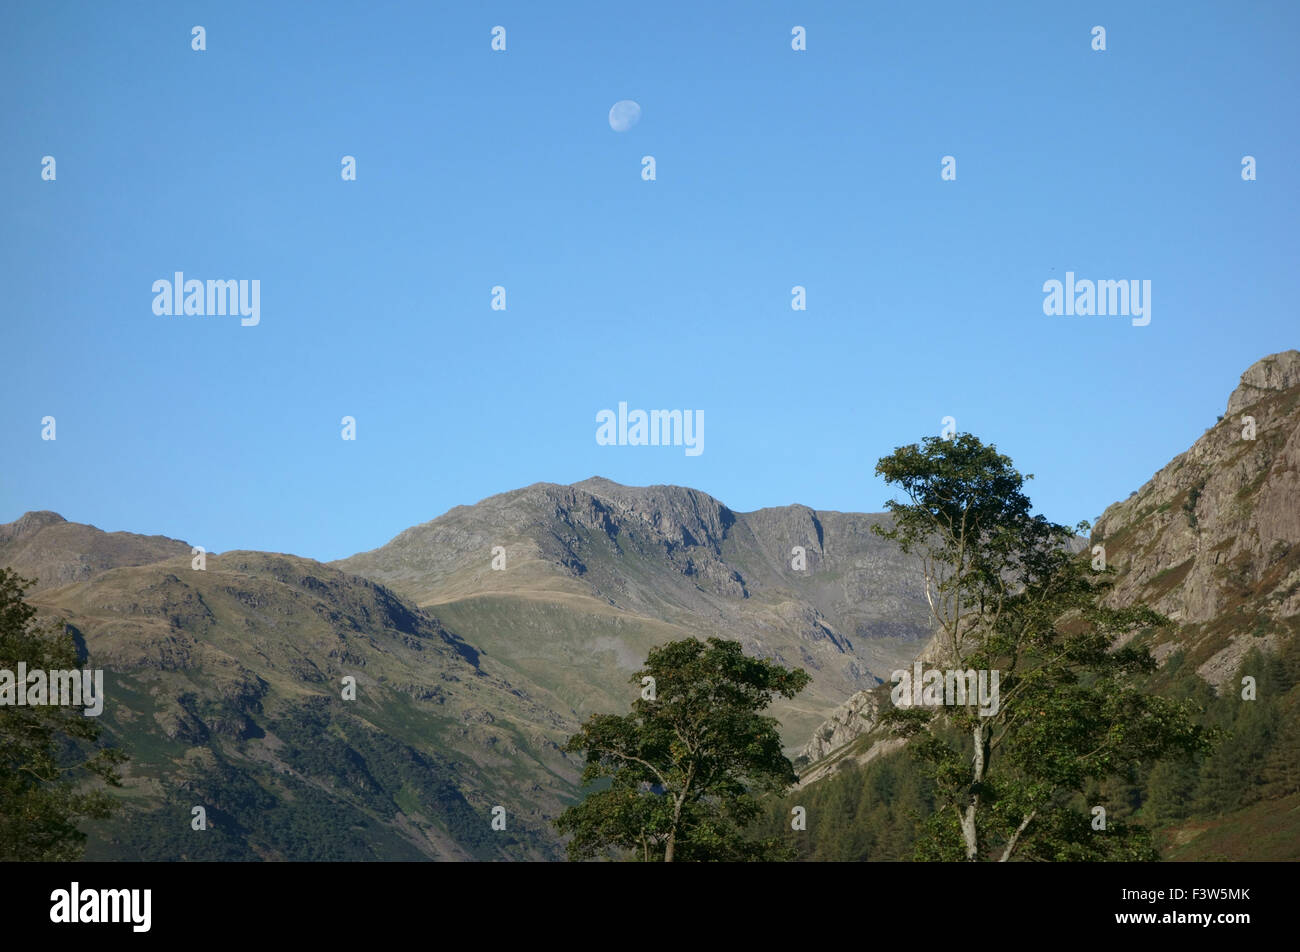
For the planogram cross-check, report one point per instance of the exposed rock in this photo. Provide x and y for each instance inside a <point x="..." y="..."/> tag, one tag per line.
<point x="851" y="719"/>
<point x="1216" y="532"/>
<point x="1271" y="375"/>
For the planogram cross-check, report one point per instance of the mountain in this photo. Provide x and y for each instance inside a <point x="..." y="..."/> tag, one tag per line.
<point x="225" y="686"/>
<point x="597" y="573"/>
<point x="45" y="547"/>
<point x="225" y="683"/>
<point x="1212" y="540"/>
<point x="479" y="641"/>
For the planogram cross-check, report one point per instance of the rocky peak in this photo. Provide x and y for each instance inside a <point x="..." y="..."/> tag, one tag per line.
<point x="682" y="516"/>
<point x="46" y="548"/>
<point x="29" y="523"/>
<point x="1273" y="374"/>
<point x="1217" y="530"/>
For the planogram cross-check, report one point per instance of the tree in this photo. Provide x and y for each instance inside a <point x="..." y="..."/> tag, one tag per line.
<point x="684" y="767"/>
<point x="1008" y="595"/>
<point x="42" y="747"/>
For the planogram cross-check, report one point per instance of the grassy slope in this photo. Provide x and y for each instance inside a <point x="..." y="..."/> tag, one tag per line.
<point x="223" y="687"/>
<point x="1265" y="831"/>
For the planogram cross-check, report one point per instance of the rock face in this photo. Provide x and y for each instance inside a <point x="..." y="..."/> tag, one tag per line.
<point x="1266" y="378"/>
<point x="1213" y="539"/>
<point x="854" y="717"/>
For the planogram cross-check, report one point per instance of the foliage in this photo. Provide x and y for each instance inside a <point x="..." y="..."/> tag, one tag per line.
<point x="333" y="794"/>
<point x="1008" y="595"/>
<point x="46" y="751"/>
<point x="685" y="768"/>
<point x="875" y="812"/>
<point x="858" y="813"/>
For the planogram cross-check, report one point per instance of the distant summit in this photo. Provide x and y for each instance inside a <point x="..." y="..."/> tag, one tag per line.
<point x="597" y="573"/>
<point x="47" y="548"/>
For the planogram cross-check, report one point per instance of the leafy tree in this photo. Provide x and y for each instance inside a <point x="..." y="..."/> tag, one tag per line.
<point x="1007" y="594"/>
<point x="684" y="769"/>
<point x="41" y="746"/>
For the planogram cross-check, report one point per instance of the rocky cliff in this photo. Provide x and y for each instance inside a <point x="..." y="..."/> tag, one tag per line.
<point x="1213" y="539"/>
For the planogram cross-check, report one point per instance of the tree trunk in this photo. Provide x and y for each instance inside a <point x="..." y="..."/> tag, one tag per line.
<point x="677" y="814"/>
<point x="672" y="833"/>
<point x="1015" y="837"/>
<point x="968" y="829"/>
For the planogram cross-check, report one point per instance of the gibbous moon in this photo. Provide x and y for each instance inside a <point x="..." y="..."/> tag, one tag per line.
<point x="623" y="115"/>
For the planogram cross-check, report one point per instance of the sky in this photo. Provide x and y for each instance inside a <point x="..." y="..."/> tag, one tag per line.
<point x="479" y="168"/>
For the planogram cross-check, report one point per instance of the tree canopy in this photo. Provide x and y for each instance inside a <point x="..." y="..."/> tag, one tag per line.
<point x="1009" y="595"/>
<point x="682" y="771"/>
<point x="44" y="759"/>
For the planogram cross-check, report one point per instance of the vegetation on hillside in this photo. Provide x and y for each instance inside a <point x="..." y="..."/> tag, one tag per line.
<point x="1208" y="806"/>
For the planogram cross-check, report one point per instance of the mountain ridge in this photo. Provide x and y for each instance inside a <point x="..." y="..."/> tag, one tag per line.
<point x="666" y="555"/>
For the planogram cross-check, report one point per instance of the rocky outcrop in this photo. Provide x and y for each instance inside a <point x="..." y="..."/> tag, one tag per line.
<point x="1264" y="378"/>
<point x="847" y="722"/>
<point x="1213" y="539"/>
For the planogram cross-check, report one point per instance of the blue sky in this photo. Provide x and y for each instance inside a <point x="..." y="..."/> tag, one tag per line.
<point x="476" y="168"/>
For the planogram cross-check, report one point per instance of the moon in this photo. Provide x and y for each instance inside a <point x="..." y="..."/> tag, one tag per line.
<point x="624" y="114"/>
